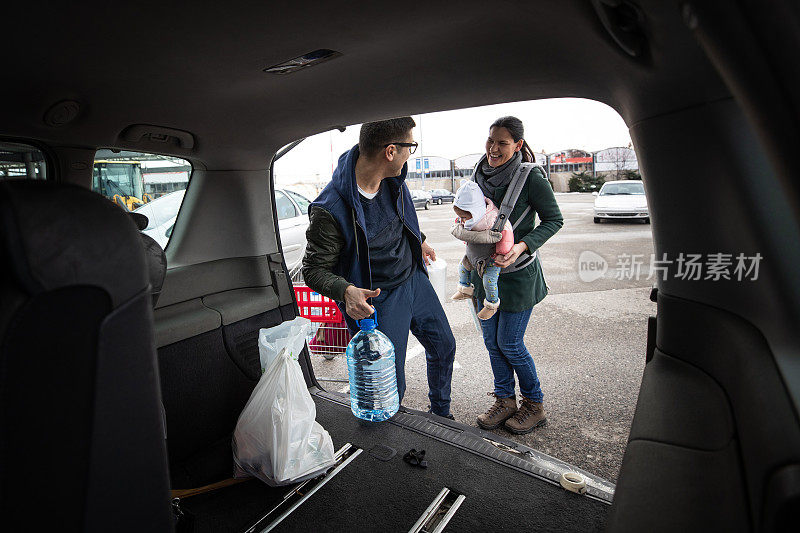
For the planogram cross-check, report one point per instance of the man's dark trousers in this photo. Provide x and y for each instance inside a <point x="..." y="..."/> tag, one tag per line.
<point x="413" y="305"/>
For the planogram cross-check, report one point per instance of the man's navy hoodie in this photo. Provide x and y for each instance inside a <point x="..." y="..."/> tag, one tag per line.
<point x="340" y="198"/>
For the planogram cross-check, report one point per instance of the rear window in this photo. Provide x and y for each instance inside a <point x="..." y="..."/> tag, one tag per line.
<point x="21" y="161"/>
<point x="610" y="189"/>
<point x="284" y="206"/>
<point x="301" y="201"/>
<point x="149" y="184"/>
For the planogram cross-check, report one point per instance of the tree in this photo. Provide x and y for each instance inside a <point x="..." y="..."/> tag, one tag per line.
<point x="616" y="162"/>
<point x="631" y="175"/>
<point x="575" y="183"/>
<point x="584" y="182"/>
<point x="622" y="159"/>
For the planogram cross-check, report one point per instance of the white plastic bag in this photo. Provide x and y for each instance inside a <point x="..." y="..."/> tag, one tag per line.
<point x="277" y="439"/>
<point x="291" y="335"/>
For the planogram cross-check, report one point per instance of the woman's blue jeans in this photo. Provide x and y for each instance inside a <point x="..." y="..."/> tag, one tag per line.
<point x="504" y="336"/>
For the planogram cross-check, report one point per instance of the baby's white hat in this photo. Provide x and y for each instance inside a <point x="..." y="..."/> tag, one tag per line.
<point x="469" y="197"/>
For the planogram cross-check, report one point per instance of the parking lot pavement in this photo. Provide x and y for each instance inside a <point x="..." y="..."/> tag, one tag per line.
<point x="587" y="338"/>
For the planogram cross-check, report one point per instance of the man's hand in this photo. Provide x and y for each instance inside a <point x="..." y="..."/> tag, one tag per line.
<point x="355" y="300"/>
<point x="428" y="253"/>
<point x="506" y="260"/>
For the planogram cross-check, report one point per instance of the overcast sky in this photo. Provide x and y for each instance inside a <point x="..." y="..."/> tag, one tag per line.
<point x="550" y="125"/>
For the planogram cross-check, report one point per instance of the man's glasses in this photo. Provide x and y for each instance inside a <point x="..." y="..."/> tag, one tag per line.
<point x="412" y="147"/>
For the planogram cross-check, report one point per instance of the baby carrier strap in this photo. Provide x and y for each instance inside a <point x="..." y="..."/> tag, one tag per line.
<point x="512" y="195"/>
<point x="507" y="206"/>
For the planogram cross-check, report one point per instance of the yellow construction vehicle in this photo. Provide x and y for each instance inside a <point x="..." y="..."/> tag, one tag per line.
<point x="121" y="182"/>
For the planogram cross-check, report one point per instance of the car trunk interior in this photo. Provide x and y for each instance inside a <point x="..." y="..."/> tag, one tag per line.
<point x="708" y="90"/>
<point x="207" y="378"/>
<point x="372" y="493"/>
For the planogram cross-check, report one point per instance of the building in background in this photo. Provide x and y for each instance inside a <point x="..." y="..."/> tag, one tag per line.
<point x="616" y="161"/>
<point x="572" y="160"/>
<point x="163" y="176"/>
<point x="434" y="172"/>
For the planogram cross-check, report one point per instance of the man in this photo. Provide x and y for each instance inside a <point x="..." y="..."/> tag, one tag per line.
<point x="364" y="243"/>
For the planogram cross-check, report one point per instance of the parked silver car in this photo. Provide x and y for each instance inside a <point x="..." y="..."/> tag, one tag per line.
<point x="439" y="196"/>
<point x="292" y="210"/>
<point x="421" y="198"/>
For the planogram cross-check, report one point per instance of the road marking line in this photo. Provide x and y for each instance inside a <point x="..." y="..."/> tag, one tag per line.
<point x="415" y="351"/>
<point x="419" y="349"/>
<point x="345" y="389"/>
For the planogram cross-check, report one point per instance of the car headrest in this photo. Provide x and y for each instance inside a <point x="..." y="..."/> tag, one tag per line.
<point x="154" y="254"/>
<point x="140" y="220"/>
<point x="57" y="235"/>
<point x="156" y="265"/>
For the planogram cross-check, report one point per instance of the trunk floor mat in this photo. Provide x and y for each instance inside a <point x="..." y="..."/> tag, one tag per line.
<point x="371" y="494"/>
<point x="375" y="495"/>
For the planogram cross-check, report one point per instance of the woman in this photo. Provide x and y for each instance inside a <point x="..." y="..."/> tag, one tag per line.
<point x="503" y="333"/>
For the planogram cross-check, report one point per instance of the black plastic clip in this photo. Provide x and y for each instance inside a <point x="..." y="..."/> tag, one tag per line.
<point x="416" y="458"/>
<point x="183" y="521"/>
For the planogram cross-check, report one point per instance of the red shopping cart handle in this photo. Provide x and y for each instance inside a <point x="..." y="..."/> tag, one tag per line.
<point x="316" y="307"/>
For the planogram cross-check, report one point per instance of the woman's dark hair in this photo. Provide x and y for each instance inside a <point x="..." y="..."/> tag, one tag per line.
<point x="517" y="131"/>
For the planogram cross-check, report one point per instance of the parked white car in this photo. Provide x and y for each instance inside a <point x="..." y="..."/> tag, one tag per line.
<point x="161" y="214"/>
<point x="292" y="210"/>
<point x="621" y="199"/>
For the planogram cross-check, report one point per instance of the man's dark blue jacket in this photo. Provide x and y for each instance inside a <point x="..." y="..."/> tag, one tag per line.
<point x="339" y="199"/>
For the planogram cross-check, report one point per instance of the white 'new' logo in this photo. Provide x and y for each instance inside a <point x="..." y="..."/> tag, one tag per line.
<point x="591" y="266"/>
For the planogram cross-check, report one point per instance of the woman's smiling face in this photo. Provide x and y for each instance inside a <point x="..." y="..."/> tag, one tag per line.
<point x="500" y="146"/>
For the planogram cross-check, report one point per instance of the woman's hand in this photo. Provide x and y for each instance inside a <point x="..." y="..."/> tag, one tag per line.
<point x="507" y="260"/>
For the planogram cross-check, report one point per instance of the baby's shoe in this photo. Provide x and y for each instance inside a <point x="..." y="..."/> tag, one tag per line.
<point x="489" y="309"/>
<point x="462" y="293"/>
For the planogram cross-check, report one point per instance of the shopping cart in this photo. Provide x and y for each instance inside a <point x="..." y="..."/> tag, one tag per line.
<point x="329" y="336"/>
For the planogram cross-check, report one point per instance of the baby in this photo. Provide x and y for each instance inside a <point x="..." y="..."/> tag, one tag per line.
<point x="477" y="213"/>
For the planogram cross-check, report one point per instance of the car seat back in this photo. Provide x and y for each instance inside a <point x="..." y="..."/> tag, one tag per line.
<point x="81" y="431"/>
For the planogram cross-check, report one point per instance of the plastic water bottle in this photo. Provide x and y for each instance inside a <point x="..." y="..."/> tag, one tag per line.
<point x="373" y="378"/>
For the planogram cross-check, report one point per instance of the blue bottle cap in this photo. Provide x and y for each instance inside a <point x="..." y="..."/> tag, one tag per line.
<point x="366" y="324"/>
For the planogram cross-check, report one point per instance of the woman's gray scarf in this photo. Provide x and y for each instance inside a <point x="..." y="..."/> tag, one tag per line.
<point x="490" y="178"/>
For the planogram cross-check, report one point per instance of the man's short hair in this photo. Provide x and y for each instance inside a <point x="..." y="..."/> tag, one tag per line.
<point x="375" y="136"/>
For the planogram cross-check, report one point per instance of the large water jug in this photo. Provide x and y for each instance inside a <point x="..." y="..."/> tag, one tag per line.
<point x="373" y="379"/>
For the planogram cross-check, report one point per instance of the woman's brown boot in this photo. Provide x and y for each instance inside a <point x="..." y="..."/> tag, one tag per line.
<point x="502" y="410"/>
<point x="528" y="417"/>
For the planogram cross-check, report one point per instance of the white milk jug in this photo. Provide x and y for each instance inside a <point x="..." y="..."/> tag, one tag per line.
<point x="437" y="272"/>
